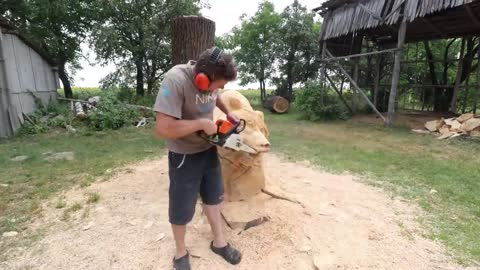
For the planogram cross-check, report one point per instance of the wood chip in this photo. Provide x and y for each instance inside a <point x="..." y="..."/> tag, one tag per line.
<point x="421" y="131"/>
<point x="432" y="125"/>
<point x="160" y="237"/>
<point x="464" y="117"/>
<point x="455" y="126"/>
<point x="444" y="130"/>
<point x="446" y="136"/>
<point x="449" y="121"/>
<point x="470" y="124"/>
<point x="475" y="133"/>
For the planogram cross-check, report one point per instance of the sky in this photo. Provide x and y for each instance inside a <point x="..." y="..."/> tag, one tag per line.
<point x="225" y="13"/>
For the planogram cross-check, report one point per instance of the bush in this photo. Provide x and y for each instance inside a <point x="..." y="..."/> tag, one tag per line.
<point x="317" y="103"/>
<point x="111" y="113"/>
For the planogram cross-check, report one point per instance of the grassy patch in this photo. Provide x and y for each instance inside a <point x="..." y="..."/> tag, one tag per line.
<point x="24" y="185"/>
<point x="93" y="197"/>
<point x="410" y="165"/>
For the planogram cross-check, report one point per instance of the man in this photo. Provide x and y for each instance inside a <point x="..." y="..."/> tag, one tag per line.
<point x="184" y="107"/>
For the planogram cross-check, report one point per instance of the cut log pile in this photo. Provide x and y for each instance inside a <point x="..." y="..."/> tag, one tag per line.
<point x="464" y="125"/>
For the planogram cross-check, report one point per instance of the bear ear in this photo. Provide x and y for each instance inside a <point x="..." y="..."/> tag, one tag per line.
<point x="235" y="104"/>
<point x="260" y="114"/>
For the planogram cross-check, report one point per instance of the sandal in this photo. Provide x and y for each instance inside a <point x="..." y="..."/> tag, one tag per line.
<point x="182" y="263"/>
<point x="228" y="253"/>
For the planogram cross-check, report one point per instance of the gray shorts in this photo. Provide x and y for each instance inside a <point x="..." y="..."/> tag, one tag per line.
<point x="191" y="174"/>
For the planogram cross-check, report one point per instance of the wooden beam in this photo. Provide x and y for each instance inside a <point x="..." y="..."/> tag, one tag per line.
<point x="339" y="94"/>
<point x="396" y="74"/>
<point x="354" y="84"/>
<point x="359" y="55"/>
<point x="472" y="16"/>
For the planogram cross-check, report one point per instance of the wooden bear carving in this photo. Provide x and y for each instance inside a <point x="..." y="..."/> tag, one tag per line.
<point x="243" y="173"/>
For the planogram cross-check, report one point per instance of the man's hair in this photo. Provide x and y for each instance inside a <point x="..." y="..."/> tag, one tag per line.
<point x="225" y="68"/>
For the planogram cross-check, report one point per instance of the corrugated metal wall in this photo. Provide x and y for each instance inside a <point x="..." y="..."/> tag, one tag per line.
<point x="26" y="75"/>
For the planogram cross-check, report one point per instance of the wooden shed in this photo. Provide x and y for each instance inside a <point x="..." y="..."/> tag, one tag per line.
<point x="389" y="24"/>
<point x="26" y="75"/>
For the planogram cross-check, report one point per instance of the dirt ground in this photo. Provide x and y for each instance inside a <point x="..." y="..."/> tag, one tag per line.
<point x="345" y="225"/>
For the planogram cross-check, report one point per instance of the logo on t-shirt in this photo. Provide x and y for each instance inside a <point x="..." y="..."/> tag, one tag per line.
<point x="206" y="98"/>
<point x="166" y="92"/>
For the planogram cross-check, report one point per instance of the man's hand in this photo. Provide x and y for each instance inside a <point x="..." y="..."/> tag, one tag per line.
<point x="208" y="126"/>
<point x="232" y="118"/>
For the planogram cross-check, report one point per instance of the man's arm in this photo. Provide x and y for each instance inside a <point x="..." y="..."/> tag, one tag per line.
<point x="171" y="128"/>
<point x="221" y="105"/>
<point x="231" y="117"/>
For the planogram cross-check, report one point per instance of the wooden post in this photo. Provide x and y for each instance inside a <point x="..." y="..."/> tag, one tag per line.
<point x="396" y="74"/>
<point x="376" y="86"/>
<point x="453" y="103"/>
<point x="475" y="100"/>
<point x="191" y="35"/>
<point x="467" y="91"/>
<point x="323" y="45"/>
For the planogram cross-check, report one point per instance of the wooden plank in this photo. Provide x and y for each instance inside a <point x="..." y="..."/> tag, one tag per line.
<point x="354" y="84"/>
<point x="359" y="55"/>
<point x="396" y="74"/>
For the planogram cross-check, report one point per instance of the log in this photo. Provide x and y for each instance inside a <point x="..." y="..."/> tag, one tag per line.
<point x="191" y="35"/>
<point x="276" y="104"/>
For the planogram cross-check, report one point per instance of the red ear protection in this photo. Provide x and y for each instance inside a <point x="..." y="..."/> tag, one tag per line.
<point x="202" y="82"/>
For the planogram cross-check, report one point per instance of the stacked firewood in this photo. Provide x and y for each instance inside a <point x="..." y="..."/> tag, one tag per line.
<point x="464" y="125"/>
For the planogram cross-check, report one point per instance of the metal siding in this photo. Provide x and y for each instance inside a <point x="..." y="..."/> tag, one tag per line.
<point x="24" y="65"/>
<point x="39" y="74"/>
<point x="11" y="64"/>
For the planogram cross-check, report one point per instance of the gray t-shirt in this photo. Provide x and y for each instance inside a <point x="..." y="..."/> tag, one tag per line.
<point x="180" y="98"/>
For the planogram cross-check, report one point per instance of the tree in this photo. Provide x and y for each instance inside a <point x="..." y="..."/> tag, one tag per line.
<point x="297" y="50"/>
<point x="59" y="26"/>
<point x="442" y="94"/>
<point x="255" y="41"/>
<point x="136" y="35"/>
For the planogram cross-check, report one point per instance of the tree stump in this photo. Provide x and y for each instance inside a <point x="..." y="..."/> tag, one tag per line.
<point x="276" y="104"/>
<point x="191" y="35"/>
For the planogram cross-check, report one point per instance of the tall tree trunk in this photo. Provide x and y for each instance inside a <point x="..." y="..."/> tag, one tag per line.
<point x="191" y="35"/>
<point x="67" y="87"/>
<point x="140" y="76"/>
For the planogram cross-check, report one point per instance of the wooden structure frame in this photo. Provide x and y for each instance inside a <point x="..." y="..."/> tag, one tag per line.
<point x="389" y="24"/>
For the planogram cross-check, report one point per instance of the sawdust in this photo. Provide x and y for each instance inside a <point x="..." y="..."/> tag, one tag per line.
<point x="344" y="225"/>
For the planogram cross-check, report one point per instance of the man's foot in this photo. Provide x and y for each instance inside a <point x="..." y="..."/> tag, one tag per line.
<point x="228" y="253"/>
<point x="182" y="263"/>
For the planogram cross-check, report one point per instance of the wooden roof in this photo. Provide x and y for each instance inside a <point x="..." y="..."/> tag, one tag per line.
<point x="378" y="19"/>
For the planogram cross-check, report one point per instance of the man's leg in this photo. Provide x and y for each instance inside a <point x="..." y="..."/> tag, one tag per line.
<point x="211" y="191"/>
<point x="179" y="232"/>
<point x="185" y="173"/>
<point x="215" y="219"/>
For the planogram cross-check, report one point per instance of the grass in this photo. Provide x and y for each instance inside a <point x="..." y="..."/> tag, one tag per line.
<point x="93" y="197"/>
<point x="410" y="165"/>
<point x="27" y="184"/>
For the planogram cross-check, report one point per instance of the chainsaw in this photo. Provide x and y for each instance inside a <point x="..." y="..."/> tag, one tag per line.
<point x="228" y="136"/>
